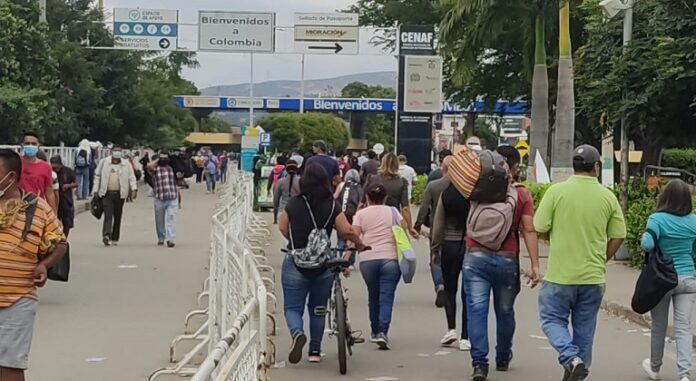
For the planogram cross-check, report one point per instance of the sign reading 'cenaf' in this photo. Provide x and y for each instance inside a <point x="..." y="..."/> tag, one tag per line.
<point x="222" y="31"/>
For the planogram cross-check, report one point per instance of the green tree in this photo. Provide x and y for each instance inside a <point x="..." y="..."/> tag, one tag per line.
<point x="293" y="131"/>
<point x="564" y="136"/>
<point x="27" y="72"/>
<point x="657" y="72"/>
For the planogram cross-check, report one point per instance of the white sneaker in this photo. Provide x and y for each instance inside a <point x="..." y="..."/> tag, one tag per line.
<point x="450" y="338"/>
<point x="647" y="367"/>
<point x="464" y="345"/>
<point x="685" y="379"/>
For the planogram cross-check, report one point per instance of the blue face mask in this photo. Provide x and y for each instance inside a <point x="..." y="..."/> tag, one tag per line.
<point x="117" y="154"/>
<point x="30" y="151"/>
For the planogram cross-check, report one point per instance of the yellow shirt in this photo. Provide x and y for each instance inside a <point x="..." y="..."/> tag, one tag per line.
<point x="19" y="258"/>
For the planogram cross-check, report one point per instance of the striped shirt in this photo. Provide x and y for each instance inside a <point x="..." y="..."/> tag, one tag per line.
<point x="18" y="258"/>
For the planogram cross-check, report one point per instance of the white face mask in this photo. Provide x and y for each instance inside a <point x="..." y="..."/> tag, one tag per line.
<point x="2" y="191"/>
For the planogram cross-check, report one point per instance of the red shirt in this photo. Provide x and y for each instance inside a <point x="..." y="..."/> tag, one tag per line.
<point x="36" y="177"/>
<point x="525" y="207"/>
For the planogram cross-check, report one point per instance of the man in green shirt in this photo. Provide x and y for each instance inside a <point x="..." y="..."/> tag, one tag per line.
<point x="586" y="228"/>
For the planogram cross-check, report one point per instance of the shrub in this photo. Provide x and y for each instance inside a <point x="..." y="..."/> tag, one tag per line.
<point x="641" y="204"/>
<point x="418" y="188"/>
<point x="682" y="158"/>
<point x="537" y="191"/>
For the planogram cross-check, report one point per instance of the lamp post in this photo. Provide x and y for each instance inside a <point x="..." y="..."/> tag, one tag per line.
<point x="611" y="8"/>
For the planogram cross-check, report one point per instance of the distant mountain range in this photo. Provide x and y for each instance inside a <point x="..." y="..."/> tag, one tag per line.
<point x="329" y="87"/>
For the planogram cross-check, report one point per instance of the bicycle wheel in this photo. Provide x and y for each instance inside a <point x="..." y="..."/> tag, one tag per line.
<point x="341" y="329"/>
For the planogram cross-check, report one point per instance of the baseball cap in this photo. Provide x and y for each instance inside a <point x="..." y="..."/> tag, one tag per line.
<point x="474" y="143"/>
<point x="586" y="154"/>
<point x="402" y="158"/>
<point x="320" y="144"/>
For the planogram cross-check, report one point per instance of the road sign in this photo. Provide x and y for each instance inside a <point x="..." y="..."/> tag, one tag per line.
<point x="146" y="29"/>
<point x="265" y="138"/>
<point x="378" y="148"/>
<point x="326" y="33"/>
<point x="250" y="32"/>
<point x="522" y="147"/>
<point x="423" y="84"/>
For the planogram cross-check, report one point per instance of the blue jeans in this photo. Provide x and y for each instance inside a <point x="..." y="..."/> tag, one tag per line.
<point x="485" y="273"/>
<point x="165" y="219"/>
<point x="436" y="274"/>
<point x="381" y="277"/>
<point x="82" y="178"/>
<point x="682" y="299"/>
<point x="210" y="179"/>
<point x="299" y="290"/>
<point x="561" y="305"/>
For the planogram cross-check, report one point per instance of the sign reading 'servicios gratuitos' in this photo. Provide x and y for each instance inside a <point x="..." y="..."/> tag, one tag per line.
<point x="146" y="29"/>
<point x="222" y="31"/>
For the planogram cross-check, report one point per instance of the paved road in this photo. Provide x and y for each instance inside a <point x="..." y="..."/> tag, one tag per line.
<point x="418" y="327"/>
<point x="122" y="318"/>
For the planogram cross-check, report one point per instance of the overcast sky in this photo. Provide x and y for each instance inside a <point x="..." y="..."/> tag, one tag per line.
<point x="226" y="68"/>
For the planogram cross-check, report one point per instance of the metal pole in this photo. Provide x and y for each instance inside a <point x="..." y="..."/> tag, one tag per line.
<point x="627" y="36"/>
<point x="101" y="4"/>
<point x="302" y="85"/>
<point x="42" y="11"/>
<point x="251" y="90"/>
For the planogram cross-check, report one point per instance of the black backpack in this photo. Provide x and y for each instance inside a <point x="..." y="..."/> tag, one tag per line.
<point x="494" y="179"/>
<point x="657" y="278"/>
<point x="350" y="197"/>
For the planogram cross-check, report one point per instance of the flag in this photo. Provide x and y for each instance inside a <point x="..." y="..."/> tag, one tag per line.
<point x="541" y="174"/>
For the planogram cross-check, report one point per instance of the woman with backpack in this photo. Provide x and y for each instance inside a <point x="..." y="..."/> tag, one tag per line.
<point x="82" y="161"/>
<point x="288" y="187"/>
<point x="674" y="227"/>
<point x="307" y="222"/>
<point x="397" y="188"/>
<point x="379" y="266"/>
<point x="447" y="251"/>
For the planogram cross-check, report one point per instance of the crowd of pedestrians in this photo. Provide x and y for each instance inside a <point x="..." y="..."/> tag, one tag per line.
<point x="363" y="199"/>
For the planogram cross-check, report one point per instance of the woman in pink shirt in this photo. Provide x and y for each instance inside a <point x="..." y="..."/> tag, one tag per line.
<point x="379" y="266"/>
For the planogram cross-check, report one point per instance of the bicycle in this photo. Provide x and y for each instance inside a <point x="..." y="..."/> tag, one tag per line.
<point x="337" y="313"/>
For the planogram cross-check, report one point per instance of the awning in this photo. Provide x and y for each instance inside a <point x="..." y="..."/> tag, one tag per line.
<point x="213" y="138"/>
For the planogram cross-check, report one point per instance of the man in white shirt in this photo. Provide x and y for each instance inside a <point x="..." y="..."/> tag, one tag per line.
<point x="407" y="172"/>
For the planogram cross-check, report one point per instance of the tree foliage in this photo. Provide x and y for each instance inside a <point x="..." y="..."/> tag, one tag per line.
<point x="657" y="73"/>
<point x="292" y="131"/>
<point x="51" y="82"/>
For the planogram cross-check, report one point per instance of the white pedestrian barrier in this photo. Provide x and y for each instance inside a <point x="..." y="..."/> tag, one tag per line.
<point x="239" y="292"/>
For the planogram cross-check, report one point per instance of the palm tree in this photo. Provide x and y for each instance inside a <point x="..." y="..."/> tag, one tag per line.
<point x="561" y="166"/>
<point x="470" y="28"/>
<point x="539" y="133"/>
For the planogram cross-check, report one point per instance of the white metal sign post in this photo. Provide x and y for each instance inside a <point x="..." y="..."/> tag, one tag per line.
<point x="146" y="29"/>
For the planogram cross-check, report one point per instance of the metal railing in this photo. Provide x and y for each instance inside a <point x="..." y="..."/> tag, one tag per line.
<point x="67" y="154"/>
<point x="240" y="293"/>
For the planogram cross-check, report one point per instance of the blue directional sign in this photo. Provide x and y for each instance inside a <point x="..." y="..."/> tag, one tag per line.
<point x="146" y="29"/>
<point x="339" y="105"/>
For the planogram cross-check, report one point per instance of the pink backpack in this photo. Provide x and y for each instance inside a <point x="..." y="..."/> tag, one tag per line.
<point x="489" y="224"/>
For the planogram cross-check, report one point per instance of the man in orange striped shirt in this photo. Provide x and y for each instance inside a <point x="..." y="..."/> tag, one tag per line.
<point x="26" y="252"/>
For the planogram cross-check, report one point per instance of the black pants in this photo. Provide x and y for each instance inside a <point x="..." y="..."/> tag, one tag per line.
<point x="452" y="254"/>
<point x="113" y="211"/>
<point x="199" y="174"/>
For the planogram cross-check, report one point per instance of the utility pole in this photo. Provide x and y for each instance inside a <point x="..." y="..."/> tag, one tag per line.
<point x="627" y="36"/>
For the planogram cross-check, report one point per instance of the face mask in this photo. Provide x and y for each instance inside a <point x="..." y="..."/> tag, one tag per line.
<point x="117" y="154"/>
<point x="30" y="151"/>
<point x="2" y="191"/>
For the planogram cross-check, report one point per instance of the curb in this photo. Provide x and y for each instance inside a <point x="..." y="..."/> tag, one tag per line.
<point x="627" y="313"/>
